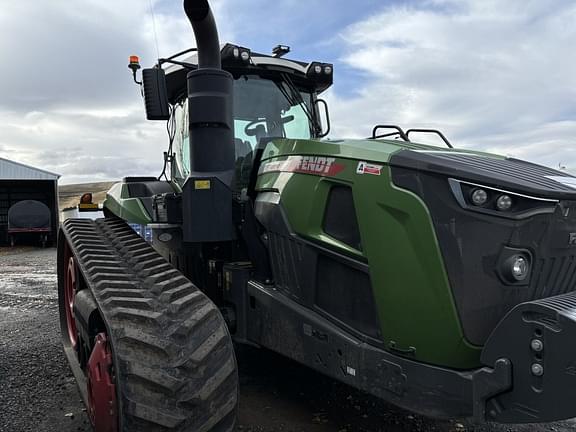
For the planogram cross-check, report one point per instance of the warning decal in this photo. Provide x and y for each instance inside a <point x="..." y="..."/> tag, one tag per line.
<point x="366" y="168"/>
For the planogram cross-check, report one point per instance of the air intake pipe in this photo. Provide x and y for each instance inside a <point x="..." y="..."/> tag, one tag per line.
<point x="207" y="193"/>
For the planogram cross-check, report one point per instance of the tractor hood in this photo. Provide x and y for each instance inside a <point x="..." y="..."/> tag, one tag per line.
<point x="505" y="173"/>
<point x="472" y="166"/>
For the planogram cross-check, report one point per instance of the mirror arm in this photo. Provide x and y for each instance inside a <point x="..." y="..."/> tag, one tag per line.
<point x="328" y="125"/>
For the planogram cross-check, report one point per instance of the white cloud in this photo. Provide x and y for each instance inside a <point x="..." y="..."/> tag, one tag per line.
<point x="494" y="75"/>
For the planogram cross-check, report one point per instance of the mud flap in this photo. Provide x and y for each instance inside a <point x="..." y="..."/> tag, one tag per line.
<point x="539" y="339"/>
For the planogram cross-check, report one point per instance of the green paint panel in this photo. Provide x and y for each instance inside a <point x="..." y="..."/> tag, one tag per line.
<point x="370" y="150"/>
<point x="130" y="209"/>
<point x="410" y="284"/>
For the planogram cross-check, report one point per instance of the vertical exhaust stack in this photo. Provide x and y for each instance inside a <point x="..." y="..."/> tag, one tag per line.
<point x="206" y="33"/>
<point x="207" y="195"/>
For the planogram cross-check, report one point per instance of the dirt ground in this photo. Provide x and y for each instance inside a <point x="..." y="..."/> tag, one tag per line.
<point x="69" y="195"/>
<point x="37" y="392"/>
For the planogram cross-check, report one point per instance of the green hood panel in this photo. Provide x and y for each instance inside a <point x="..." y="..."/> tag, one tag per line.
<point x="410" y="286"/>
<point x="369" y="150"/>
<point x="132" y="210"/>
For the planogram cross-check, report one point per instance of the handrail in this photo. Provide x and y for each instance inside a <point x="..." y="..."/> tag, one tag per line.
<point x="434" y="131"/>
<point x="398" y="129"/>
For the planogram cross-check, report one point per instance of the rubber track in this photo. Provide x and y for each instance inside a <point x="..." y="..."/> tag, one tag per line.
<point x="173" y="356"/>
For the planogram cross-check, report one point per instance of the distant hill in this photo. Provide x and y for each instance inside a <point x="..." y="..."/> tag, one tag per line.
<point x="69" y="195"/>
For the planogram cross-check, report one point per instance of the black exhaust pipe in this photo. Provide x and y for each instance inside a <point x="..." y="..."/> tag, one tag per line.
<point x="206" y="33"/>
<point x="207" y="195"/>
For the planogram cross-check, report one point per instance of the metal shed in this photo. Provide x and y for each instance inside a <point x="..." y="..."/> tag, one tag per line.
<point x="19" y="182"/>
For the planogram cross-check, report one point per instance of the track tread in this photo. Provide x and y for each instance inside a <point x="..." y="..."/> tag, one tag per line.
<point x="171" y="345"/>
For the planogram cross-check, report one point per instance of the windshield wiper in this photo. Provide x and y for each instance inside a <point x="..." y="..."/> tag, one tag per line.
<point x="294" y="97"/>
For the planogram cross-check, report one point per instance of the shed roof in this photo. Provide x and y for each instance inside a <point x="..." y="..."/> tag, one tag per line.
<point x="10" y="170"/>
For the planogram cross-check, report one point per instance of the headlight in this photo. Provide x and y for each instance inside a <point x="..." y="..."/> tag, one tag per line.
<point x="515" y="266"/>
<point x="233" y="54"/>
<point x="504" y="203"/>
<point x="320" y="71"/>
<point x="498" y="202"/>
<point x="479" y="197"/>
<point x="519" y="267"/>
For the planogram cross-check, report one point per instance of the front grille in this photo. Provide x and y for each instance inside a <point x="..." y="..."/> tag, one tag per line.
<point x="553" y="276"/>
<point x="565" y="304"/>
<point x="286" y="258"/>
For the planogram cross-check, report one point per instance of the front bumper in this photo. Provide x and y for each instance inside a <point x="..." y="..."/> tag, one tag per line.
<point x="530" y="373"/>
<point x="538" y="338"/>
<point x="504" y="391"/>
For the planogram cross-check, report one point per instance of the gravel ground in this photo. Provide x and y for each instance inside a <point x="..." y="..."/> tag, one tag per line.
<point x="38" y="393"/>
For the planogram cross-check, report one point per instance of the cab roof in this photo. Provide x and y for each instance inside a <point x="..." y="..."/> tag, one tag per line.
<point x="304" y="75"/>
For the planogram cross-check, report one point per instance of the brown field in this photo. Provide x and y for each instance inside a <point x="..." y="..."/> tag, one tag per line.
<point x="69" y="195"/>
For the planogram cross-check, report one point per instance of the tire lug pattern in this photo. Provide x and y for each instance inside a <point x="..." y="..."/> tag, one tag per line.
<point x="174" y="358"/>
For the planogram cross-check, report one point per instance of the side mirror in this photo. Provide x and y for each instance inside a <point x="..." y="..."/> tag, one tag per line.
<point x="326" y="114"/>
<point x="155" y="94"/>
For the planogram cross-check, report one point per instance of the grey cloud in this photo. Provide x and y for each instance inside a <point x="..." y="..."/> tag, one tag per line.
<point x="65" y="54"/>
<point x="84" y="146"/>
<point x="495" y="75"/>
<point x="67" y="100"/>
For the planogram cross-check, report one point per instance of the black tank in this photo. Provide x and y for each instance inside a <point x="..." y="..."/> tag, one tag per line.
<point x="29" y="214"/>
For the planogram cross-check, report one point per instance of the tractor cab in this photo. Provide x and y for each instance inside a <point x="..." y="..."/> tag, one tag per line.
<point x="273" y="98"/>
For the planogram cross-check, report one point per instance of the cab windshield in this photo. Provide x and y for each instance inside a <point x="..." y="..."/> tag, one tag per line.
<point x="262" y="109"/>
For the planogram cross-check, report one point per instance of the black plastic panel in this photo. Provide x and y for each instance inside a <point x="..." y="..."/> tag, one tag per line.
<point x="346" y="294"/>
<point x="210" y="106"/>
<point x="284" y="326"/>
<point x="207" y="211"/>
<point x="475" y="245"/>
<point x="316" y="277"/>
<point x="550" y="393"/>
<point x="148" y="188"/>
<point x="340" y="217"/>
<point x="516" y="175"/>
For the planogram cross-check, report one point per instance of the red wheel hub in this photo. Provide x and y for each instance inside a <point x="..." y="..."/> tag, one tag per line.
<point x="70" y="286"/>
<point x="102" y="405"/>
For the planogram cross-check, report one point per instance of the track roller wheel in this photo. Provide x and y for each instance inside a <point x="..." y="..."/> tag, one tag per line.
<point x="102" y="405"/>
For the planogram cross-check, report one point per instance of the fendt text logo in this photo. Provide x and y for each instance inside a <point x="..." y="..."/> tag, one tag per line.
<point x="315" y="165"/>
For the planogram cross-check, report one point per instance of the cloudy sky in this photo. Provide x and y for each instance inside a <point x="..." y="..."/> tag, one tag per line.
<point x="494" y="75"/>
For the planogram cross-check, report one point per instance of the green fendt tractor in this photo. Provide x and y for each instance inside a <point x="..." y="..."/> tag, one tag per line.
<point x="439" y="280"/>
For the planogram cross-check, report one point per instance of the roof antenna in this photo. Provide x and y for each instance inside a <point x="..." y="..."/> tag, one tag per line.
<point x="154" y="28"/>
